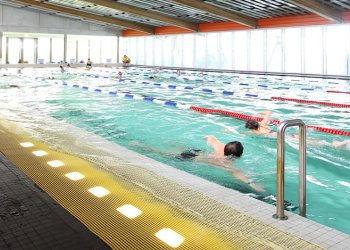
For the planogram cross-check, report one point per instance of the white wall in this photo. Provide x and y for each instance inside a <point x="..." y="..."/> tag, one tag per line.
<point x="33" y="21"/>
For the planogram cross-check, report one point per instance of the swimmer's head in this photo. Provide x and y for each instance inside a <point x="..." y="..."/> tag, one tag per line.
<point x="252" y="124"/>
<point x="233" y="149"/>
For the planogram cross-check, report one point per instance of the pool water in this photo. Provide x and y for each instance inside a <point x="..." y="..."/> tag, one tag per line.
<point x="162" y="132"/>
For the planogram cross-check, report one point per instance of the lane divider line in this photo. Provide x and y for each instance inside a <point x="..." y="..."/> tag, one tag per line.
<point x="217" y="111"/>
<point x="331" y="104"/>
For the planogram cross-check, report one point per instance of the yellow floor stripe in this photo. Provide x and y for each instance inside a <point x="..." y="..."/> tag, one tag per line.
<point x="100" y="215"/>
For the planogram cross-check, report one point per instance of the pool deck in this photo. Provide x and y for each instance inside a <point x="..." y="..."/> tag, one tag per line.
<point x="30" y="219"/>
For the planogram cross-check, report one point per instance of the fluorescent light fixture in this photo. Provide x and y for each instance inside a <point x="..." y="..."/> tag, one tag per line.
<point x="99" y="191"/>
<point x="129" y="211"/>
<point x="55" y="163"/>
<point x="27" y="144"/>
<point x="170" y="237"/>
<point x="75" y="176"/>
<point x="39" y="153"/>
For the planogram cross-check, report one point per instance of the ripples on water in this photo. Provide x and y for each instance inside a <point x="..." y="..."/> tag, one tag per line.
<point x="162" y="132"/>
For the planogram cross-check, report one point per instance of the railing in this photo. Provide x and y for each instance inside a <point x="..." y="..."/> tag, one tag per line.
<point x="280" y="168"/>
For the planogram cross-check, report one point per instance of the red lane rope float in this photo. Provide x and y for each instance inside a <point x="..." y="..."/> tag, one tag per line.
<point x="338" y="92"/>
<point x="275" y="122"/>
<point x="311" y="102"/>
<point x="329" y="130"/>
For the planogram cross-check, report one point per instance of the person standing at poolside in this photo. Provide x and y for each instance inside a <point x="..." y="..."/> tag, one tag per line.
<point x="89" y="64"/>
<point x="126" y="60"/>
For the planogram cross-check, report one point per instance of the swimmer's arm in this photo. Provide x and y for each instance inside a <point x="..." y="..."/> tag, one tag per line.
<point x="241" y="176"/>
<point x="267" y="116"/>
<point x="338" y="144"/>
<point x="213" y="142"/>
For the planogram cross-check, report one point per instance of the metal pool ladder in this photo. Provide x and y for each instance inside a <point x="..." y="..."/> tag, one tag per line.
<point x="280" y="168"/>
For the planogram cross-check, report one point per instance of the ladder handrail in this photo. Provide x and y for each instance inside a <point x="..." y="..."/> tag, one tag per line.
<point x="280" y="168"/>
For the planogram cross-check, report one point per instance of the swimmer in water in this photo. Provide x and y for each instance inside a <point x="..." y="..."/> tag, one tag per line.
<point x="260" y="128"/>
<point x="222" y="156"/>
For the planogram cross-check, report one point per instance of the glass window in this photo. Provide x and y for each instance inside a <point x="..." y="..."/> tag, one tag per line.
<point x="29" y="50"/>
<point x="188" y="42"/>
<point x="123" y="50"/>
<point x="149" y="50"/>
<point x="158" y="44"/>
<point x="108" y="52"/>
<point x="225" y="50"/>
<point x="83" y="49"/>
<point x="293" y="50"/>
<point x="337" y="47"/>
<point x="200" y="50"/>
<point x="14" y="50"/>
<point x="274" y="50"/>
<point x="95" y="49"/>
<point x="57" y="49"/>
<point x="44" y="49"/>
<point x="212" y="50"/>
<point x="167" y="49"/>
<point x="71" y="50"/>
<point x="256" y="50"/>
<point x="240" y="50"/>
<point x="313" y="50"/>
<point x="177" y="51"/>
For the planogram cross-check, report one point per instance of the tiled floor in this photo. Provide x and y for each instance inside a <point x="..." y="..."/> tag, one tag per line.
<point x="30" y="219"/>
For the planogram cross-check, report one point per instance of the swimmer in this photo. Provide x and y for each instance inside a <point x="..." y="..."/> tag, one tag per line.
<point x="178" y="72"/>
<point x="260" y="128"/>
<point x="62" y="69"/>
<point x="222" y="156"/>
<point x="120" y="75"/>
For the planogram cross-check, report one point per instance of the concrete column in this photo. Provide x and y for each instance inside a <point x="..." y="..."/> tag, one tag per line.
<point x="89" y="48"/>
<point x="76" y="51"/>
<point x="50" y="50"/>
<point x="35" y="50"/>
<point x="21" y="57"/>
<point x="118" y="48"/>
<point x="65" y="48"/>
<point x="1" y="59"/>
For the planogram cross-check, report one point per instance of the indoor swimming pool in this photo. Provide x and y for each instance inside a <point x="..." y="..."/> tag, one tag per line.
<point x="149" y="111"/>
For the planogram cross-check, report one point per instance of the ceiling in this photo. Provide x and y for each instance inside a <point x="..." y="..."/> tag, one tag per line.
<point x="147" y="15"/>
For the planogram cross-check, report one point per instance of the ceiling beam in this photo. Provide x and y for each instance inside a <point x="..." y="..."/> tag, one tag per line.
<point x="117" y="22"/>
<point x="319" y="9"/>
<point x="230" y="15"/>
<point x="145" y="13"/>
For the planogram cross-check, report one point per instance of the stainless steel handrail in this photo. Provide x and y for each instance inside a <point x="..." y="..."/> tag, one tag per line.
<point x="280" y="168"/>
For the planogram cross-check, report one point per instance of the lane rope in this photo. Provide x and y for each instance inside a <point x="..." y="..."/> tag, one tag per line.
<point x="331" y="104"/>
<point x="338" y="92"/>
<point x="198" y="109"/>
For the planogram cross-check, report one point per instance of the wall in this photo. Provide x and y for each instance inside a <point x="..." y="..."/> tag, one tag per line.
<point x="34" y="21"/>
